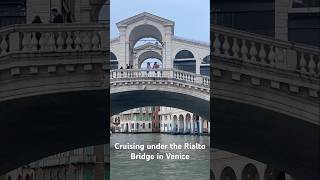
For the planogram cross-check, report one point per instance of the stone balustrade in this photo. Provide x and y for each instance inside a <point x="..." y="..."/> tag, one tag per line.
<point x="34" y="38"/>
<point x="169" y="74"/>
<point x="265" y="51"/>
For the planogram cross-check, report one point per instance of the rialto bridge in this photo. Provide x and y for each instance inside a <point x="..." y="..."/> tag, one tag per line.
<point x="54" y="89"/>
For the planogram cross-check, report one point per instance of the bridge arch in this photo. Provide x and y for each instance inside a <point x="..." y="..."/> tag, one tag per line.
<point x="101" y="5"/>
<point x="184" y="54"/>
<point x="205" y="66"/>
<point x="148" y="55"/>
<point x="114" y="64"/>
<point x="188" y="122"/>
<point x="144" y="31"/>
<point x="228" y="174"/>
<point x="271" y="173"/>
<point x="181" y="124"/>
<point x="162" y="97"/>
<point x="250" y="172"/>
<point x="185" y="60"/>
<point x="206" y="60"/>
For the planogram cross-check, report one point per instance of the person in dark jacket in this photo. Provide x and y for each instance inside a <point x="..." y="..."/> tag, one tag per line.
<point x="57" y="18"/>
<point x="37" y="20"/>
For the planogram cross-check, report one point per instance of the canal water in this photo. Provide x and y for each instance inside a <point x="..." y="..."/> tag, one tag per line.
<point x="124" y="168"/>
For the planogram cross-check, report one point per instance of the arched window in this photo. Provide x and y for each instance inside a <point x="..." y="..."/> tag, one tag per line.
<point x="273" y="174"/>
<point x="228" y="174"/>
<point x="250" y="172"/>
<point x="205" y="66"/>
<point x="184" y="54"/>
<point x="143" y="125"/>
<point x="184" y="60"/>
<point x="113" y="61"/>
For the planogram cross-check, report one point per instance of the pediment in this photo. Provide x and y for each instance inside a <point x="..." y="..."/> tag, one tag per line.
<point x="144" y="17"/>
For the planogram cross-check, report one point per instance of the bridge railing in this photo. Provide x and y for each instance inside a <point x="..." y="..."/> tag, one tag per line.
<point x="175" y="74"/>
<point x="52" y="38"/>
<point x="265" y="51"/>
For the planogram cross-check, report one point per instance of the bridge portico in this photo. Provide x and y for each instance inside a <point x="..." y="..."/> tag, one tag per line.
<point x="265" y="92"/>
<point x="166" y="47"/>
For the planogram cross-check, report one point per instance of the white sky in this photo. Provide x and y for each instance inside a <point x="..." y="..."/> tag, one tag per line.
<point x="192" y="17"/>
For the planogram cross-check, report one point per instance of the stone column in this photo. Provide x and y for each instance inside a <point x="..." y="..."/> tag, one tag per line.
<point x="281" y="19"/>
<point x="129" y="126"/>
<point x="167" y="59"/>
<point x="122" y="51"/>
<point x="198" y="63"/>
<point x="178" y="125"/>
<point x="99" y="167"/>
<point x="70" y="172"/>
<point x="192" y="126"/>
<point x="172" y="126"/>
<point x="200" y="125"/>
<point x="184" y="125"/>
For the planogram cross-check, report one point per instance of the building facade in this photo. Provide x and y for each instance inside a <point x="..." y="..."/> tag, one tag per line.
<point x="230" y="166"/>
<point x="147" y="36"/>
<point x="87" y="163"/>
<point x="138" y="120"/>
<point x="173" y="120"/>
<point x="159" y="119"/>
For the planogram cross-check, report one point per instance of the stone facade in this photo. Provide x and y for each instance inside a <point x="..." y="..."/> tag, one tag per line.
<point x="87" y="163"/>
<point x="165" y="49"/>
<point x="175" y="120"/>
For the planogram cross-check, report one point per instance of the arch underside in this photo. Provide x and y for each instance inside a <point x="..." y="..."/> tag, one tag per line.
<point x="36" y="127"/>
<point x="286" y="143"/>
<point x="144" y="31"/>
<point x="122" y="101"/>
<point x="148" y="55"/>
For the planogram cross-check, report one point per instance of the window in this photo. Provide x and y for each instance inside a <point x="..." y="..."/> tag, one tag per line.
<point x="305" y="3"/>
<point x="304" y="28"/>
<point x="88" y="175"/>
<point x="257" y="17"/>
<point x="184" y="54"/>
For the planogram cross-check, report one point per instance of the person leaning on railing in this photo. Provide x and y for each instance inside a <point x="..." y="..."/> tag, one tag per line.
<point x="57" y="18"/>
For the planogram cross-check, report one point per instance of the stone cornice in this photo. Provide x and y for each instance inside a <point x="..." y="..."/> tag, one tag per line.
<point x="141" y="17"/>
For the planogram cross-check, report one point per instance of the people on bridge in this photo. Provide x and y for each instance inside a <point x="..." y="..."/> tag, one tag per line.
<point x="36" y="20"/>
<point x="148" y="67"/>
<point x="57" y="18"/>
<point x="155" y="65"/>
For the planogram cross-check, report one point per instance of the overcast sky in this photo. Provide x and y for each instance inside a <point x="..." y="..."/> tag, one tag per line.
<point x="192" y="17"/>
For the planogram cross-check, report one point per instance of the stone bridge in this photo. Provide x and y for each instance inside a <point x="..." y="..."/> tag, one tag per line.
<point x="265" y="102"/>
<point x="51" y="86"/>
<point x="54" y="85"/>
<point x="131" y="88"/>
